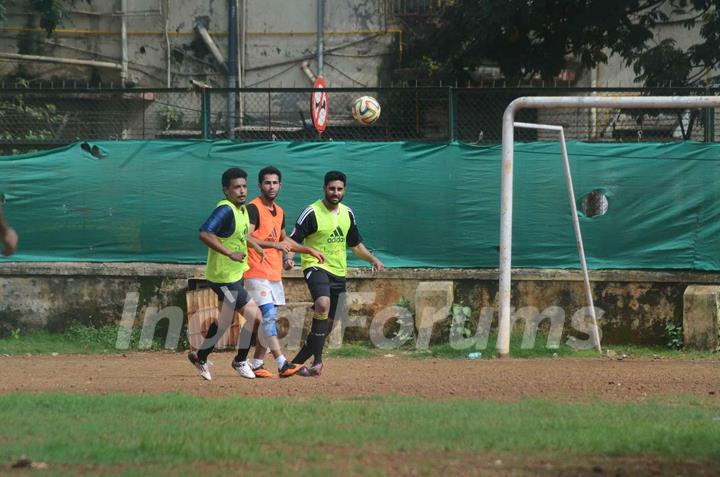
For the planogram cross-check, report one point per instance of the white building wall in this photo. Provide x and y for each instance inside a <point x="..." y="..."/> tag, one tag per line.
<point x="279" y="36"/>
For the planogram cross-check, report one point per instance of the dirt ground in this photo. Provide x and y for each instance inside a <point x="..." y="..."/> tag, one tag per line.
<point x="507" y="379"/>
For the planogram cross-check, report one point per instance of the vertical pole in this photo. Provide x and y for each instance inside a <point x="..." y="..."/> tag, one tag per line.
<point x="123" y="45"/>
<point x="205" y="113"/>
<point x="320" y="36"/>
<point x="269" y="112"/>
<point x="451" y="113"/>
<point x="506" y="208"/>
<point x="142" y="105"/>
<point x="232" y="67"/>
<point x="709" y="123"/>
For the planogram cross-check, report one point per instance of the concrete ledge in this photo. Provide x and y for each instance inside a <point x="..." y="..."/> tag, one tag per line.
<point x="139" y="269"/>
<point x="701" y="317"/>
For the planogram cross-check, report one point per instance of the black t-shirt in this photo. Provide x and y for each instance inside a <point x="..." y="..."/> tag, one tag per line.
<point x="307" y="224"/>
<point x="254" y="215"/>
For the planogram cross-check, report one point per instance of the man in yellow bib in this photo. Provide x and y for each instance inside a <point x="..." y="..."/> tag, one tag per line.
<point x="226" y="234"/>
<point x="329" y="227"/>
<point x="263" y="280"/>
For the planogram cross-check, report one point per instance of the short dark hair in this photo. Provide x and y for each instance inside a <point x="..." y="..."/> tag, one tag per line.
<point x="232" y="173"/>
<point x="268" y="171"/>
<point x="335" y="176"/>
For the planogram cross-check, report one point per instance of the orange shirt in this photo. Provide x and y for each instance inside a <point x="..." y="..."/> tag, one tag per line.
<point x="269" y="230"/>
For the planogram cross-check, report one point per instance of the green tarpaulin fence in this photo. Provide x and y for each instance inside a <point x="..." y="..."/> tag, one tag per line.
<point x="417" y="205"/>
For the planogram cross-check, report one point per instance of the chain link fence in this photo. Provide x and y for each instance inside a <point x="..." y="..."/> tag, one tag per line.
<point x="41" y="118"/>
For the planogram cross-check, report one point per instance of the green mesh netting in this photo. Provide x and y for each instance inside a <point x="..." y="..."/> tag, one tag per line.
<point x="417" y="205"/>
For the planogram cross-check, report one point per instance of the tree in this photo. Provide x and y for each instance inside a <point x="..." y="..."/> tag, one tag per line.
<point x="52" y="12"/>
<point x="528" y="38"/>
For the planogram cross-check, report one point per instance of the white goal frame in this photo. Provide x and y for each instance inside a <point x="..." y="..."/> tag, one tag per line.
<point x="506" y="198"/>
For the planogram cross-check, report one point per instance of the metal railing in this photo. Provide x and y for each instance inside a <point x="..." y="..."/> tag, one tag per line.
<point x="33" y="118"/>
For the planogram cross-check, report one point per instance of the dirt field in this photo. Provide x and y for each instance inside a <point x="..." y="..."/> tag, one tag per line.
<point x="511" y="379"/>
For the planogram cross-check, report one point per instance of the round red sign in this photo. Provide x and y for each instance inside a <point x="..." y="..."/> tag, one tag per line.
<point x="319" y="105"/>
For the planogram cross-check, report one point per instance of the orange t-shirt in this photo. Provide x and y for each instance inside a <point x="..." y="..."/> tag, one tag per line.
<point x="269" y="230"/>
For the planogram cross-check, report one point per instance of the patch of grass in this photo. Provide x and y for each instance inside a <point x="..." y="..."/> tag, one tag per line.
<point x="174" y="428"/>
<point x="78" y="339"/>
<point x="540" y="350"/>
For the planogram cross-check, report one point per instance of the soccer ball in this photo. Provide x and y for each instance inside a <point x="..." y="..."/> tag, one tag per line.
<point x="366" y="110"/>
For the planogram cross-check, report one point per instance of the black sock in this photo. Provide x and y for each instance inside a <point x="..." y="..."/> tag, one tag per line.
<point x="304" y="353"/>
<point x="205" y="347"/>
<point x="244" y="343"/>
<point x="316" y="339"/>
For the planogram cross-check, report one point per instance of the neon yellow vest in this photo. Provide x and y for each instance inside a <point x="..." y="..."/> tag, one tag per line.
<point x="330" y="237"/>
<point x="220" y="269"/>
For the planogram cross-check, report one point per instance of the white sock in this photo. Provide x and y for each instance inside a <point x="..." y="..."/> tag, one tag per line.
<point x="256" y="363"/>
<point x="281" y="361"/>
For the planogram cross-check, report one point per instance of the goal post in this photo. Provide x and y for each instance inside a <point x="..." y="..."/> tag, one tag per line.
<point x="506" y="197"/>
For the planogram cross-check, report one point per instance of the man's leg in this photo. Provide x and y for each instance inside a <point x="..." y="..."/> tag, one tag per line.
<point x="318" y="283"/>
<point x="337" y="287"/>
<point x="252" y="315"/>
<point x="268" y="332"/>
<point x="228" y="296"/>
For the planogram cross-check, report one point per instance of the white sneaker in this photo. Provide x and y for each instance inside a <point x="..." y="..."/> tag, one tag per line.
<point x="203" y="368"/>
<point x="243" y="368"/>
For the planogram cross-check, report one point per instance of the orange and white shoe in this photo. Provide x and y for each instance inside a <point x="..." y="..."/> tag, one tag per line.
<point x="289" y="369"/>
<point x="261" y="372"/>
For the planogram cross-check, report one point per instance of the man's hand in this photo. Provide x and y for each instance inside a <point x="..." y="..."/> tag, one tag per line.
<point x="9" y="240"/>
<point x="288" y="263"/>
<point x="285" y="246"/>
<point x="317" y="255"/>
<point x="377" y="265"/>
<point x="236" y="256"/>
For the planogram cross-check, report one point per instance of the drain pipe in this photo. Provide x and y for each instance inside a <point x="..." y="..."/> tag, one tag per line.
<point x="232" y="67"/>
<point x="64" y="61"/>
<point x="201" y="24"/>
<point x="305" y="66"/>
<point x="124" y="43"/>
<point x="320" y="35"/>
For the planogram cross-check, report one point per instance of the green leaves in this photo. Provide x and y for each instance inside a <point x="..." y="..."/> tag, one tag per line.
<point x="536" y="38"/>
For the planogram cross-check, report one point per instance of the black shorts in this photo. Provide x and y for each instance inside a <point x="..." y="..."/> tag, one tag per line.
<point x="235" y="291"/>
<point x="320" y="282"/>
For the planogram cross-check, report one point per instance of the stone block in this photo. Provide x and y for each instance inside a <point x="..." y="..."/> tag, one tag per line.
<point x="701" y="317"/>
<point x="433" y="301"/>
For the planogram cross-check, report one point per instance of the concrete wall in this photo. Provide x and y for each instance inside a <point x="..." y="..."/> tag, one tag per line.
<point x="279" y="35"/>
<point x="636" y="305"/>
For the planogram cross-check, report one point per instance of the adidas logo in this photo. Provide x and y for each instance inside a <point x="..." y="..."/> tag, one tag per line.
<point x="336" y="237"/>
<point x="272" y="237"/>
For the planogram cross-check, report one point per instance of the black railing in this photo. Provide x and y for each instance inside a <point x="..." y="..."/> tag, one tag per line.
<point x="33" y="118"/>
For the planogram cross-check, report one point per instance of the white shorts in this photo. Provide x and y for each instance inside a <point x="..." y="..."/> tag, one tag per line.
<point x="265" y="291"/>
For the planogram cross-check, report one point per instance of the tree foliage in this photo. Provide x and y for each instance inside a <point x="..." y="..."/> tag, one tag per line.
<point x="51" y="12"/>
<point x="527" y="38"/>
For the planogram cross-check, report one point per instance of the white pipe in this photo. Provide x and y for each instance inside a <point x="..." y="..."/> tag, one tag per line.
<point x="211" y="45"/>
<point x="66" y="61"/>
<point x="305" y="66"/>
<point x="123" y="43"/>
<point x="506" y="194"/>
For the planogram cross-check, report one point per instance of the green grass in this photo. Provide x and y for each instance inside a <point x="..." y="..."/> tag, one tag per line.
<point x="174" y="429"/>
<point x="78" y="339"/>
<point x="540" y="350"/>
<point x="81" y="339"/>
